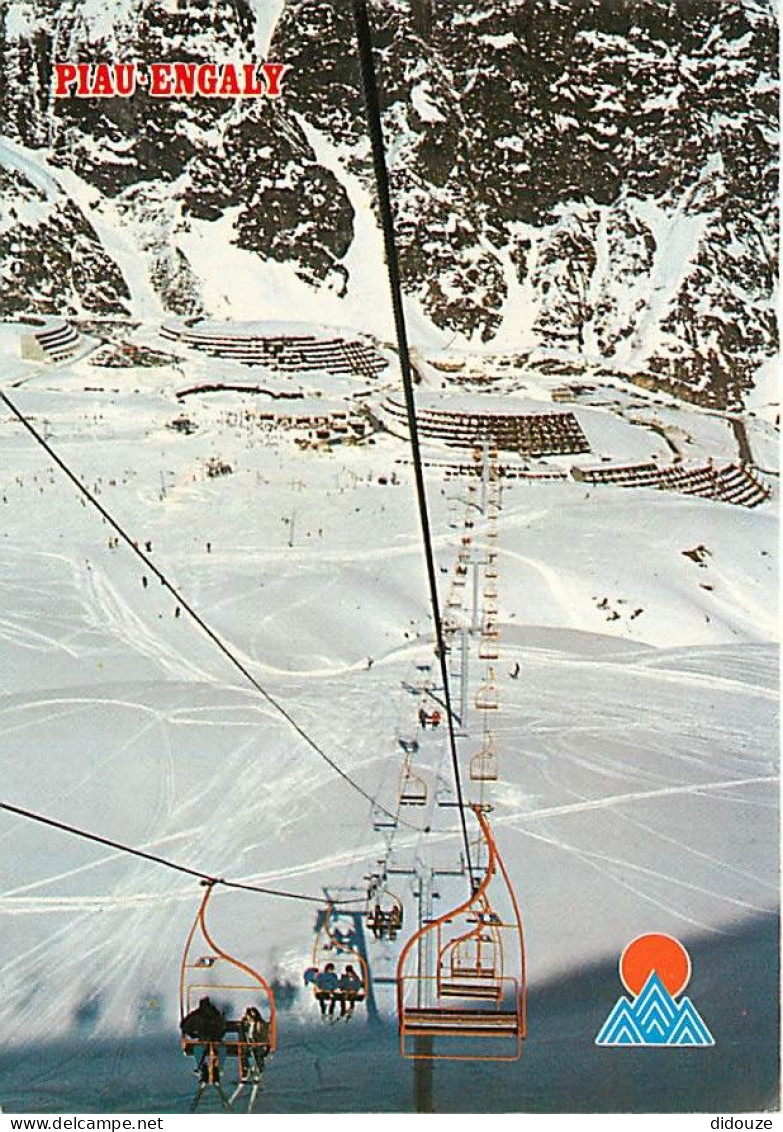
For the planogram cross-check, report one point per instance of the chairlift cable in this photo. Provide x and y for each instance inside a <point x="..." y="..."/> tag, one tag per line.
<point x="87" y="835"/>
<point x="185" y="605"/>
<point x="392" y="265"/>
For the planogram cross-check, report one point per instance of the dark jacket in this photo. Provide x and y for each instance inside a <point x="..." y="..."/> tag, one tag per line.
<point x="350" y="982"/>
<point x="205" y="1023"/>
<point x="327" y="981"/>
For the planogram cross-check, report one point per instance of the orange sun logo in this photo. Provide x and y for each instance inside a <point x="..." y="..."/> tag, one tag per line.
<point x="655" y="952"/>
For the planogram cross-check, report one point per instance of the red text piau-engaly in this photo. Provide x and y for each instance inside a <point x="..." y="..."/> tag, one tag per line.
<point x="168" y="80"/>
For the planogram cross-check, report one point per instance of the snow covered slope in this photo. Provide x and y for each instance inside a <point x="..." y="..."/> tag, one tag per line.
<point x="637" y="745"/>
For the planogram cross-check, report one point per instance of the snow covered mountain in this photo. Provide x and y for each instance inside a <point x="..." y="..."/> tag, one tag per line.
<point x="589" y="181"/>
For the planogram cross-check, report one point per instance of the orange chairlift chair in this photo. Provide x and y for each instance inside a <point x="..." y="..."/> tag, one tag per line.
<point x="455" y="599"/>
<point x="471" y="965"/>
<point x="489" y="648"/>
<point x="413" y="788"/>
<point x="382" y="820"/>
<point x="487" y="698"/>
<point x="384" y="910"/>
<point x="336" y="944"/>
<point x="484" y="764"/>
<point x="239" y="998"/>
<point x="473" y="995"/>
<point x="449" y="625"/>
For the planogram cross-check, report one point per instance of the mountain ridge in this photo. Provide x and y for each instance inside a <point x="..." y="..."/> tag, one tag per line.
<point x="591" y="182"/>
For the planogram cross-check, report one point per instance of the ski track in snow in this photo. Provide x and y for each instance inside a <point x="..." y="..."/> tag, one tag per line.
<point x="117" y="614"/>
<point x="683" y="846"/>
<point x="592" y="860"/>
<point x="634" y="796"/>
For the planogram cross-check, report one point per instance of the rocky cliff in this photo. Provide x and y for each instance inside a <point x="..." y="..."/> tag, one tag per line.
<point x="594" y="181"/>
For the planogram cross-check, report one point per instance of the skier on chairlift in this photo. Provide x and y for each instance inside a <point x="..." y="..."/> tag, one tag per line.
<point x="208" y="1025"/>
<point x="254" y="1041"/>
<point x="351" y="987"/>
<point x="327" y="983"/>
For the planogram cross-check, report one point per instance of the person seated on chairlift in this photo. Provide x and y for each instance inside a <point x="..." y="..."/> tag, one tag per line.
<point x="385" y="924"/>
<point x="254" y="1040"/>
<point x="207" y="1024"/>
<point x="327" y="983"/>
<point x="351" y="986"/>
<point x="394" y="921"/>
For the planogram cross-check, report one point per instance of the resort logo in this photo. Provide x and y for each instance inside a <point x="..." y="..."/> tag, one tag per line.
<point x="168" y="80"/>
<point x="654" y="969"/>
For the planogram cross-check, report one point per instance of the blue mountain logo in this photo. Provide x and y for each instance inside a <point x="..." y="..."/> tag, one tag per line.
<point x="654" y="1018"/>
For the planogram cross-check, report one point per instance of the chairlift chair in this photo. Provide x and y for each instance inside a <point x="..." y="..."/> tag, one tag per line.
<point x="382" y="820"/>
<point x="384" y="913"/>
<point x="234" y="986"/>
<point x="487" y="693"/>
<point x="449" y="625"/>
<point x="338" y="943"/>
<point x="413" y="789"/>
<point x="484" y="764"/>
<point x="471" y="965"/>
<point x="467" y="989"/>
